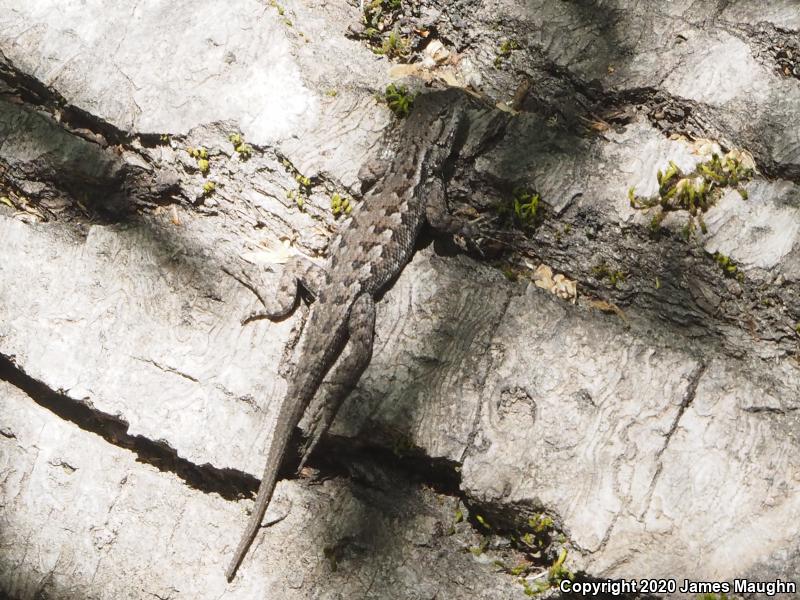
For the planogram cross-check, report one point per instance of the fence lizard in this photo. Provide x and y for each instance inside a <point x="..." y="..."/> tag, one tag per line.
<point x="371" y="250"/>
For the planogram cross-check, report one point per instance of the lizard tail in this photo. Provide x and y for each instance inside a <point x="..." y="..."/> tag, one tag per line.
<point x="288" y="416"/>
<point x="316" y="357"/>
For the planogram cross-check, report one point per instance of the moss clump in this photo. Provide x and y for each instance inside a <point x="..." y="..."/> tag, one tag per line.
<point x="522" y="209"/>
<point x="510" y="273"/>
<point x="504" y="51"/>
<point x="380" y="17"/>
<point x="602" y="271"/>
<point x="697" y="191"/>
<point x="540" y="523"/>
<point x="398" y="99"/>
<point x="209" y="187"/>
<point x="394" y="45"/>
<point x="340" y="205"/>
<point x="301" y="194"/>
<point x="729" y="268"/>
<point x="281" y="12"/>
<point x="478" y="550"/>
<point x="302" y="180"/>
<point x="535" y="542"/>
<point x="376" y="10"/>
<point x="558" y="572"/>
<point x="379" y="13"/>
<point x="200" y="155"/>
<point x="245" y="151"/>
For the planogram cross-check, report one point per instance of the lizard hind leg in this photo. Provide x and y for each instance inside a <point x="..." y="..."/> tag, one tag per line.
<point x="343" y="376"/>
<point x="281" y="302"/>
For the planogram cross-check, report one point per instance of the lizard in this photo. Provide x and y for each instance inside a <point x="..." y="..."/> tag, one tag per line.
<point x="370" y="251"/>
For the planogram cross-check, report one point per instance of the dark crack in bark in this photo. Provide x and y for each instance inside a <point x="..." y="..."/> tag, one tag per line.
<point x="231" y="484"/>
<point x="688" y="398"/>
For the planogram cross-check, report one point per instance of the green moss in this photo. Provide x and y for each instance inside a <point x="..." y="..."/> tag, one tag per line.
<point x="510" y="273"/>
<point x="379" y="15"/>
<point x="209" y="187"/>
<point x="376" y="12"/>
<point x="540" y="523"/>
<point x="281" y="12"/>
<point x="200" y="156"/>
<point x="694" y="192"/>
<point x="394" y="45"/>
<point x="198" y="153"/>
<point x="536" y="544"/>
<point x="729" y="268"/>
<point x="602" y="271"/>
<point x="398" y="99"/>
<point x="298" y="198"/>
<point x="245" y="151"/>
<point x="300" y="195"/>
<point x="526" y="207"/>
<point x="478" y="550"/>
<point x="558" y="572"/>
<point x="527" y="589"/>
<point x="482" y="521"/>
<point x="504" y="51"/>
<point x="340" y="205"/>
<point x="522" y="209"/>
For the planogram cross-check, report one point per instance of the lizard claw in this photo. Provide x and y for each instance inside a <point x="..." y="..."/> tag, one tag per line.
<point x="472" y="233"/>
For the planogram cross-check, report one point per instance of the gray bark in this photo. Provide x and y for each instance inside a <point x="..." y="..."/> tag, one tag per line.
<point x="654" y="419"/>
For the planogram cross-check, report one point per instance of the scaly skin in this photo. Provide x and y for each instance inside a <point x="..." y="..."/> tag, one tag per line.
<point x="371" y="250"/>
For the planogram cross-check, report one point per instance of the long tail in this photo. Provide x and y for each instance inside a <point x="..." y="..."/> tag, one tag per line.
<point x="324" y="338"/>
<point x="289" y="415"/>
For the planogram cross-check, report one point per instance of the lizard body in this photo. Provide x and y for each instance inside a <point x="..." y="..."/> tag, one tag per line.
<point x="370" y="251"/>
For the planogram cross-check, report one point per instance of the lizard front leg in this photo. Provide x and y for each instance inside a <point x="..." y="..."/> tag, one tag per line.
<point x="438" y="215"/>
<point x="278" y="305"/>
<point x="343" y="376"/>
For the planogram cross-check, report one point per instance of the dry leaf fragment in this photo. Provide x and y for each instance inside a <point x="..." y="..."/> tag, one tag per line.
<point x="608" y="307"/>
<point x="558" y="285"/>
